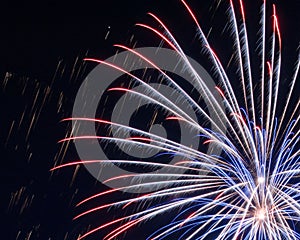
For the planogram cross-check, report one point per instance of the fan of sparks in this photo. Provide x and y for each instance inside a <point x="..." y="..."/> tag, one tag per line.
<point x="251" y="190"/>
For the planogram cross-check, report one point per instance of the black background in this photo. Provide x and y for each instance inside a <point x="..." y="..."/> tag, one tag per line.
<point x="39" y="39"/>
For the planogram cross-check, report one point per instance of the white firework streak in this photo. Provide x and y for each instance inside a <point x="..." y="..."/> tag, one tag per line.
<point x="252" y="191"/>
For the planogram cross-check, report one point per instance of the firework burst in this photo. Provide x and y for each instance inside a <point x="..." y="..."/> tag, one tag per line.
<point x="248" y="191"/>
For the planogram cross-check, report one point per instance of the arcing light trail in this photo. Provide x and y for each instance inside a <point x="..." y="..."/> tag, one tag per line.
<point x="251" y="190"/>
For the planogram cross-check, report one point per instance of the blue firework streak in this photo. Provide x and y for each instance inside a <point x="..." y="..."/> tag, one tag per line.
<point x="251" y="190"/>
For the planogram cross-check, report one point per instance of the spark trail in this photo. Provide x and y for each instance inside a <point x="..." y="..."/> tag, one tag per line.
<point x="251" y="190"/>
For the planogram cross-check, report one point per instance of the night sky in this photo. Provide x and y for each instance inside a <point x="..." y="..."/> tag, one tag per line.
<point x="42" y="48"/>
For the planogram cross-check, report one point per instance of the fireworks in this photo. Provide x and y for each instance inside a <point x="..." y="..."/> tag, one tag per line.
<point x="250" y="189"/>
